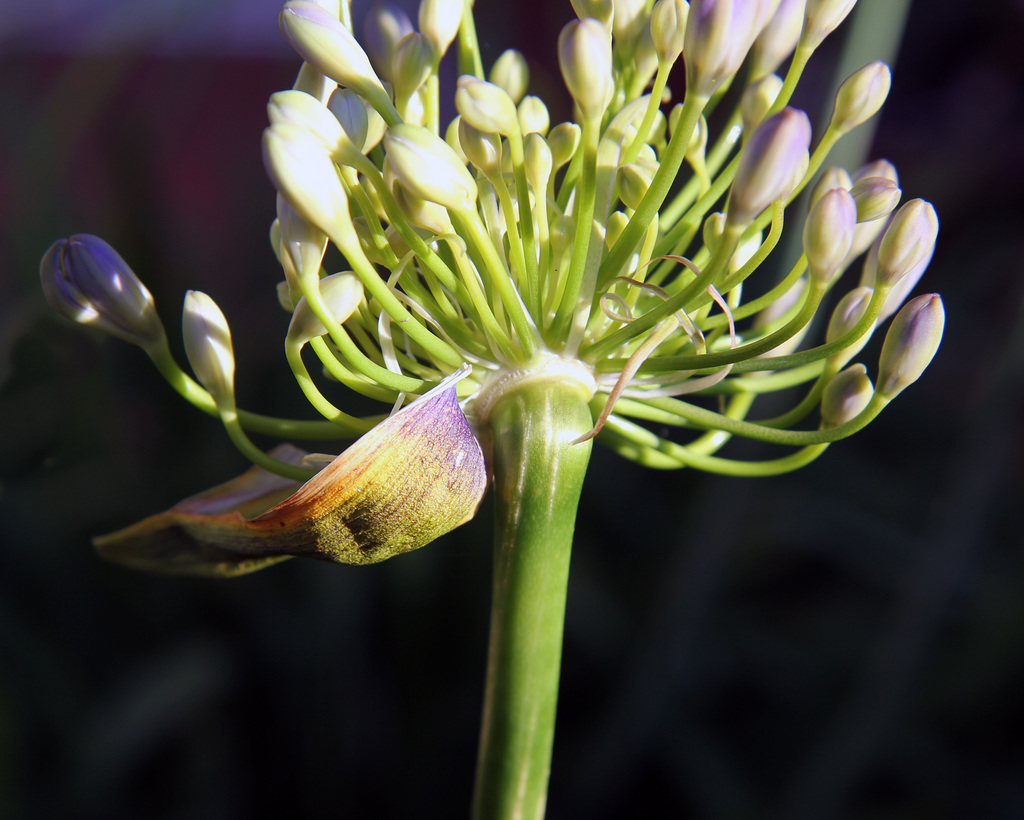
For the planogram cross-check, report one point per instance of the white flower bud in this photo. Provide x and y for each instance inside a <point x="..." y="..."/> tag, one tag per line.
<point x="511" y="72"/>
<point x="486" y="106"/>
<point x="913" y="338"/>
<point x="341" y="292"/>
<point x="304" y="174"/>
<point x="350" y="110"/>
<point x="668" y="27"/>
<point x="429" y="216"/>
<point x="778" y="38"/>
<point x="828" y="232"/>
<point x="632" y="182"/>
<point x="308" y="112"/>
<point x="207" y="340"/>
<point x="533" y="115"/>
<point x="617" y="223"/>
<point x="585" y="57"/>
<point x="412" y="62"/>
<point x="821" y="18"/>
<point x="831" y="177"/>
<point x="439" y="22"/>
<point x="845" y="396"/>
<point x="769" y="166"/>
<point x="564" y="139"/>
<point x="321" y="40"/>
<point x="482" y="149"/>
<point x="428" y="167"/>
<point x="601" y="10"/>
<point x="876" y="197"/>
<point x="537" y="160"/>
<point x="757" y="100"/>
<point x="860" y="96"/>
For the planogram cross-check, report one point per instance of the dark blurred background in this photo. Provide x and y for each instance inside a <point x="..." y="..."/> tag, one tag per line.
<point x="843" y="642"/>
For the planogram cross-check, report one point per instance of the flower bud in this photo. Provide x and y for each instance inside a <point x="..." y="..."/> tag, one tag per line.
<point x="314" y="83"/>
<point x="538" y="161"/>
<point x="481" y="149"/>
<point x="422" y="214"/>
<point x="714" y="229"/>
<point x="831" y="177"/>
<point x="719" y="33"/>
<point x="85" y="280"/>
<point x="308" y="112"/>
<point x="208" y="347"/>
<point x="564" y="139"/>
<point x="511" y="72"/>
<point x="585" y="57"/>
<point x="617" y="223"/>
<point x="821" y="18"/>
<point x="601" y="10"/>
<point x="860" y="96"/>
<point x="413" y="61"/>
<point x="302" y="243"/>
<point x="321" y="40"/>
<point x="908" y="241"/>
<point x="349" y="109"/>
<point x="439" y="21"/>
<point x="778" y="38"/>
<point x="486" y="106"/>
<point x="828" y="232"/>
<point x="629" y="19"/>
<point x="533" y="115"/>
<point x="633" y="182"/>
<point x="845" y="396"/>
<point x="745" y="250"/>
<point x="757" y="100"/>
<point x="385" y="24"/>
<point x="910" y="344"/>
<point x="769" y="166"/>
<point x="848" y="311"/>
<point x="668" y="27"/>
<point x="428" y="167"/>
<point x="340" y="292"/>
<point x="303" y="173"/>
<point x="876" y="197"/>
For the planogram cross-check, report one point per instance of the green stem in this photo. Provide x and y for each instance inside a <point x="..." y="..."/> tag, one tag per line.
<point x="537" y="481"/>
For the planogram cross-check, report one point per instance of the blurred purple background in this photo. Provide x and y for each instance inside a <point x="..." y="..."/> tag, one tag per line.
<point x="846" y="641"/>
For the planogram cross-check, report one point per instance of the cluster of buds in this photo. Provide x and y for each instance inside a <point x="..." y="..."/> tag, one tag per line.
<point x="612" y="251"/>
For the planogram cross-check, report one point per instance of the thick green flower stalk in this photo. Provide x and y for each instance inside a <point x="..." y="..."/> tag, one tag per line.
<point x="536" y="286"/>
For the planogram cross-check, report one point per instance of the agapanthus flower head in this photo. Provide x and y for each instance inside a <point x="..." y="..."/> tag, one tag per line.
<point x="621" y="253"/>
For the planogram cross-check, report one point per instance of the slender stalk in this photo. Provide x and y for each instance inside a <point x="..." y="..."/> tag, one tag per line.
<point x="538" y="475"/>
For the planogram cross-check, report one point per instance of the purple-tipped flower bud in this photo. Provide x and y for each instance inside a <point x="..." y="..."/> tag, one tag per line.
<point x="428" y="167"/>
<point x="845" y="396"/>
<point x="385" y="24"/>
<point x="439" y="21"/>
<point x="907" y="242"/>
<point x="341" y="292"/>
<point x="349" y="110"/>
<point x="861" y="96"/>
<point x="85" y="280"/>
<point x="828" y="232"/>
<point x="875" y="197"/>
<point x="486" y="106"/>
<point x="831" y="177"/>
<point x="511" y="72"/>
<point x="585" y="57"/>
<point x="770" y="166"/>
<point x="910" y="344"/>
<point x="821" y="18"/>
<point x="778" y="38"/>
<point x="719" y="33"/>
<point x="208" y="347"/>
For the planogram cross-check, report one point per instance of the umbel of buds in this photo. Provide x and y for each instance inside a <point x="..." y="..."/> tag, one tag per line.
<point x="610" y="252"/>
